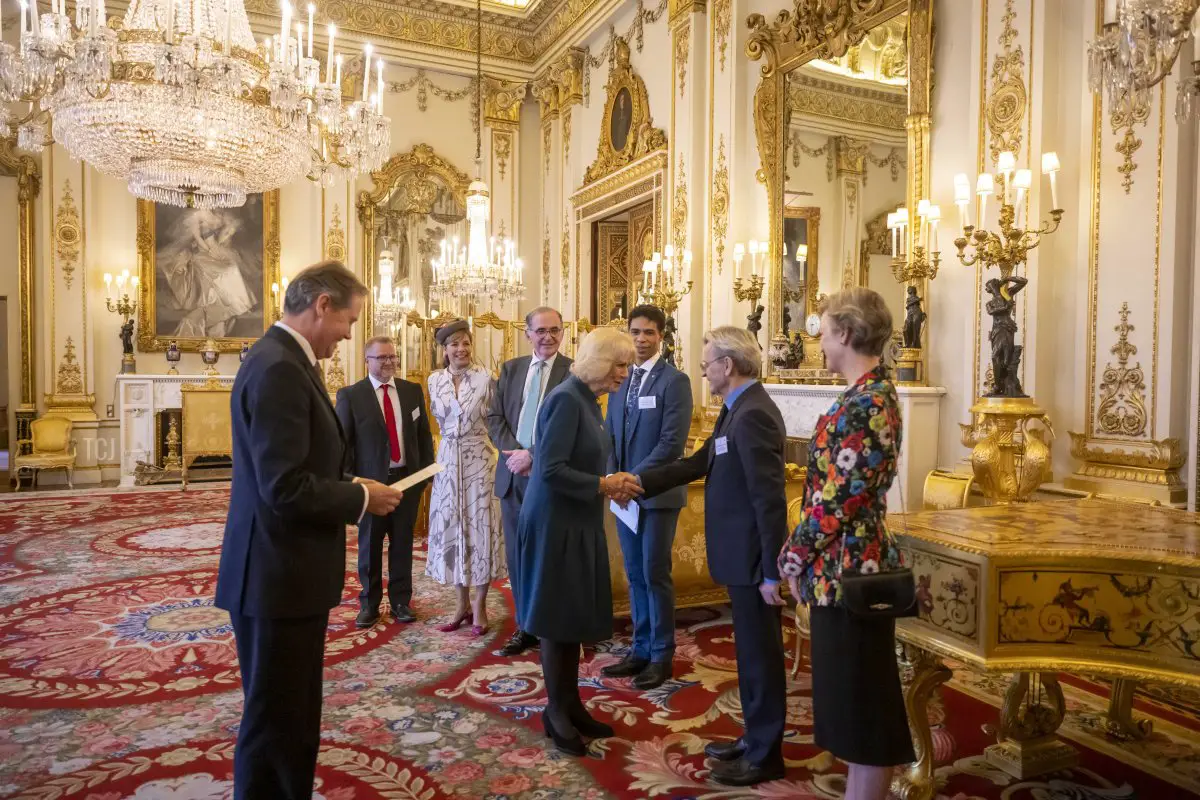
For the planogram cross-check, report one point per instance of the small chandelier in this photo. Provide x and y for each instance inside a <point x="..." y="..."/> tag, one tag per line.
<point x="483" y="269"/>
<point x="392" y="303"/>
<point x="180" y="102"/>
<point x="1138" y="48"/>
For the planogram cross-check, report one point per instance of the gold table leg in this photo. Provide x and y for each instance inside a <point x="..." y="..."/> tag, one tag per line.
<point x="1026" y="740"/>
<point x="928" y="673"/>
<point x="1120" y="722"/>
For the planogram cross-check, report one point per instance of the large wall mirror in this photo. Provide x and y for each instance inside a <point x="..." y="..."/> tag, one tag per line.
<point x="842" y="121"/>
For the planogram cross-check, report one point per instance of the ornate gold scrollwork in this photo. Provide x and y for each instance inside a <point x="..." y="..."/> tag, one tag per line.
<point x="1007" y="103"/>
<point x="627" y="132"/>
<point x="1122" y="408"/>
<point x="720" y="206"/>
<point x="335" y="237"/>
<point x="67" y="234"/>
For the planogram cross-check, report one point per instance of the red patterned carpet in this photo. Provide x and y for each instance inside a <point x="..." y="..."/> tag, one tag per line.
<point x="118" y="679"/>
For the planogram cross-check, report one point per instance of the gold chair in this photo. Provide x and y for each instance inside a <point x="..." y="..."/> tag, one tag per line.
<point x="794" y="509"/>
<point x="50" y="448"/>
<point x="945" y="490"/>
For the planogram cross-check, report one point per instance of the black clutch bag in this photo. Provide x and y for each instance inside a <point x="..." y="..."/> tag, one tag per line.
<point x="890" y="594"/>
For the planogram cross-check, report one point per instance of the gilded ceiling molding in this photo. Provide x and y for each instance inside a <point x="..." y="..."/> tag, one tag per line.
<point x="422" y="83"/>
<point x="335" y="237"/>
<point x="720" y="206"/>
<point x="679" y="8"/>
<point x="1133" y="111"/>
<point x="722" y="20"/>
<point x="858" y="105"/>
<point x="1009" y="99"/>
<point x="1122" y="410"/>
<point x="631" y="135"/>
<point x="28" y="174"/>
<point x="67" y="234"/>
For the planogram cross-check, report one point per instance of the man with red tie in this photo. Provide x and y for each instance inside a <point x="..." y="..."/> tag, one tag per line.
<point x="387" y="430"/>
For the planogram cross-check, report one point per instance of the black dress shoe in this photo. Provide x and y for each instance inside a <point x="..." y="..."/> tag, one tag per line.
<point x="654" y="675"/>
<point x="586" y="724"/>
<point x="629" y="665"/>
<point x="366" y="618"/>
<point x="518" y="643"/>
<point x="743" y="773"/>
<point x="403" y="614"/>
<point x="572" y="747"/>
<point x="725" y="751"/>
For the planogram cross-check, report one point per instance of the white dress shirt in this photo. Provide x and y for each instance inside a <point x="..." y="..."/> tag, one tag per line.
<point x="645" y="368"/>
<point x="394" y="397"/>
<point x="546" y="370"/>
<point x="312" y="360"/>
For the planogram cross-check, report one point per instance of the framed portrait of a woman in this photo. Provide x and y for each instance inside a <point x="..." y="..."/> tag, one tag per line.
<point x="207" y="273"/>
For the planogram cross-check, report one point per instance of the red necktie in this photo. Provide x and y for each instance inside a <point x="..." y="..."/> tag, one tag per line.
<point x="389" y="419"/>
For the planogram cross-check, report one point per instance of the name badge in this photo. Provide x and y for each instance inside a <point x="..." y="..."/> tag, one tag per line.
<point x="722" y="445"/>
<point x="647" y="402"/>
<point x="416" y="414"/>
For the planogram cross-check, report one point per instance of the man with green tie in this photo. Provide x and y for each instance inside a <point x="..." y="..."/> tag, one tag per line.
<point x="524" y="381"/>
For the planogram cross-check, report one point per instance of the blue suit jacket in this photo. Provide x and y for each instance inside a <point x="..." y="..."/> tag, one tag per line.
<point x="653" y="436"/>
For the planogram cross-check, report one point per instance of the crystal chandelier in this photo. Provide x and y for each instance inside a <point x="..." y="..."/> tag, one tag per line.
<point x="181" y="103"/>
<point x="392" y="303"/>
<point x="483" y="269"/>
<point x="1138" y="48"/>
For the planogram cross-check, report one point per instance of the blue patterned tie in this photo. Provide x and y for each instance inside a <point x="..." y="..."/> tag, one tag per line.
<point x="635" y="386"/>
<point x="529" y="411"/>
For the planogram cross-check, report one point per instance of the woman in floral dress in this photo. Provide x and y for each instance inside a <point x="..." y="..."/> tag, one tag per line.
<point x="465" y="548"/>
<point x="858" y="708"/>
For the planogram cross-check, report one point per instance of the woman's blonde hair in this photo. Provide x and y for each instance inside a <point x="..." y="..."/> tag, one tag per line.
<point x="863" y="313"/>
<point x="598" y="351"/>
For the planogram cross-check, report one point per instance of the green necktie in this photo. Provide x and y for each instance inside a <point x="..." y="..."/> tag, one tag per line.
<point x="530" y="409"/>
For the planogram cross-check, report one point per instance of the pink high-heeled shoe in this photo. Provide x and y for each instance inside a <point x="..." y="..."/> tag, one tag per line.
<point x="478" y="630"/>
<point x="450" y="627"/>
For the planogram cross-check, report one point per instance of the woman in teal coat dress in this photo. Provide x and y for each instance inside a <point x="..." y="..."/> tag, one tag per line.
<point x="562" y="554"/>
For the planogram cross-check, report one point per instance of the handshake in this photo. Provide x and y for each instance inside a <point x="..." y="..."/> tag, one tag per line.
<point x="621" y="487"/>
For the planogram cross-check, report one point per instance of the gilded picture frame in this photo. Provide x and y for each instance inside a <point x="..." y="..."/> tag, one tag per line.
<point x="627" y="132"/>
<point x="240" y="285"/>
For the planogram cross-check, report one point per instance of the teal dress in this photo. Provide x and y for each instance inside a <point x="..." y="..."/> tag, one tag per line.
<point x="562" y="554"/>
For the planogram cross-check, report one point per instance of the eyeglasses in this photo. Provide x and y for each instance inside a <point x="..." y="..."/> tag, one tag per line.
<point x="384" y="359"/>
<point x="704" y="365"/>
<point x="543" y="332"/>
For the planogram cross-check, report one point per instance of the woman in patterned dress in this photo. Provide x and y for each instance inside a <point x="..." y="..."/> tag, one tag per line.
<point x="858" y="708"/>
<point x="465" y="545"/>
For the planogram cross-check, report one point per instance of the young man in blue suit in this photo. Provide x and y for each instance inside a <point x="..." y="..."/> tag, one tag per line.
<point x="648" y="419"/>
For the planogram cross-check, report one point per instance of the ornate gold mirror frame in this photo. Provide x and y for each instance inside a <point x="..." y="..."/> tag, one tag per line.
<point x="418" y="170"/>
<point x="28" y="174"/>
<point x="829" y="29"/>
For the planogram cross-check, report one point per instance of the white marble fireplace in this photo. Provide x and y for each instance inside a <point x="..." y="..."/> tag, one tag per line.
<point x="920" y="408"/>
<point x="140" y="398"/>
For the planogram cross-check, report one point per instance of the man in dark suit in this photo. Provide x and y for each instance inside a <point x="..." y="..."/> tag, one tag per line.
<point x="524" y="381"/>
<point x="387" y="431"/>
<point x="745" y="522"/>
<point x="283" y="560"/>
<point x="648" y="420"/>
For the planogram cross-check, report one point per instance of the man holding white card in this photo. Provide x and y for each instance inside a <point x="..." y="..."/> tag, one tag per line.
<point x="745" y="523"/>
<point x="648" y="421"/>
<point x="387" y="429"/>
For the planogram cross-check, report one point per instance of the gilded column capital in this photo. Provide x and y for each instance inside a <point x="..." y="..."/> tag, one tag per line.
<point x="850" y="155"/>
<point x="545" y="91"/>
<point x="678" y="9"/>
<point x="502" y="101"/>
<point x="568" y="72"/>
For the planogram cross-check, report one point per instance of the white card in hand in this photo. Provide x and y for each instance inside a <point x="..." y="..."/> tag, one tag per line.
<point x="416" y="414"/>
<point x="647" y="402"/>
<point x="628" y="515"/>
<point x="404" y="484"/>
<point x="722" y="445"/>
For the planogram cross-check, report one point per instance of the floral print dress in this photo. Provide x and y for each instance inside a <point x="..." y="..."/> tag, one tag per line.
<point x="851" y="465"/>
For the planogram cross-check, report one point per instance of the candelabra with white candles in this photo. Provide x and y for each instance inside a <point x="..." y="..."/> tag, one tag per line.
<point x="915" y="252"/>
<point x="279" y="292"/>
<point x="752" y="290"/>
<point x="1009" y="456"/>
<point x="666" y="279"/>
<point x="124" y="307"/>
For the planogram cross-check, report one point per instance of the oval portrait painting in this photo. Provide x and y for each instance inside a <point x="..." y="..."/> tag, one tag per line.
<point x="620" y="120"/>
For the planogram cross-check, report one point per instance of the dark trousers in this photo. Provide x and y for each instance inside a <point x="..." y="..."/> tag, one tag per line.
<point x="510" y="514"/>
<point x="281" y="662"/>
<point x="560" y="668"/>
<point x="397" y="527"/>
<point x="651" y="591"/>
<point x="762" y="683"/>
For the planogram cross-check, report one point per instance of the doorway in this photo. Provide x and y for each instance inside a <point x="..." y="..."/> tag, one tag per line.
<point x="620" y="243"/>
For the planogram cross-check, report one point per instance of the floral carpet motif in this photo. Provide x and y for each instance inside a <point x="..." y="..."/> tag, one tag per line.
<point x="118" y="679"/>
